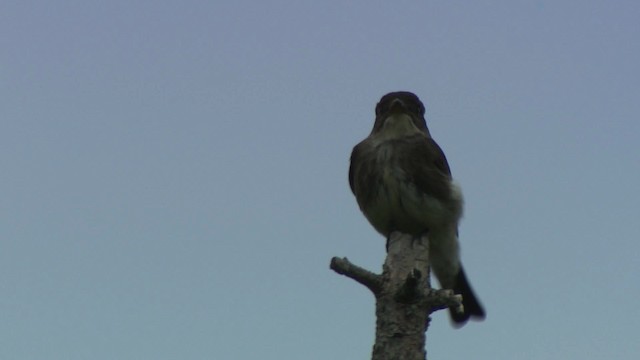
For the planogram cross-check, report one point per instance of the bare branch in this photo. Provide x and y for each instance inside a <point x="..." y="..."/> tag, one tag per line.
<point x="443" y="299"/>
<point x="404" y="297"/>
<point x="365" y="277"/>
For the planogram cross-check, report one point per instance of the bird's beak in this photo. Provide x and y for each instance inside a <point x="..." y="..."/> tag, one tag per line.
<point x="397" y="106"/>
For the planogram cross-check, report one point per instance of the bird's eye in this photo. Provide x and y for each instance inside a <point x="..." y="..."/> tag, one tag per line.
<point x="415" y="107"/>
<point x="381" y="109"/>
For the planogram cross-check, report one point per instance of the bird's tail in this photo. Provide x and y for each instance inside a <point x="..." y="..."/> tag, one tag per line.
<point x="472" y="307"/>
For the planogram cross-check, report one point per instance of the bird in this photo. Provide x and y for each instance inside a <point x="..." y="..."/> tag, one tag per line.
<point x="402" y="182"/>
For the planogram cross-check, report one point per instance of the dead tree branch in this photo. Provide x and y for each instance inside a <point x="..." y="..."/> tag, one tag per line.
<point x="404" y="297"/>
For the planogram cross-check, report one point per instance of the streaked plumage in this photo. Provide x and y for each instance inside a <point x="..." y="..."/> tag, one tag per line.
<point x="402" y="182"/>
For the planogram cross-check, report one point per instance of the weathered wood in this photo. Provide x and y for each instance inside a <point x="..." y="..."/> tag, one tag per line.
<point x="404" y="298"/>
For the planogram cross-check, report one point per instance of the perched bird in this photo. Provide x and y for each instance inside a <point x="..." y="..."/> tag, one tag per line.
<point x="402" y="182"/>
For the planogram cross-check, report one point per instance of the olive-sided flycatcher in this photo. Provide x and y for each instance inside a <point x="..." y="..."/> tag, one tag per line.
<point x="402" y="182"/>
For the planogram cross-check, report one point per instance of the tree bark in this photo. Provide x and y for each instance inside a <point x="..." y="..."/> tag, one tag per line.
<point x="404" y="297"/>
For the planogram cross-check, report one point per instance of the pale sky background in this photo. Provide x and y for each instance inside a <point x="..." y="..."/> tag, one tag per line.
<point x="174" y="174"/>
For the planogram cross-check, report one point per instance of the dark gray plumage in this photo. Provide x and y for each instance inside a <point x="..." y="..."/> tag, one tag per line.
<point x="402" y="182"/>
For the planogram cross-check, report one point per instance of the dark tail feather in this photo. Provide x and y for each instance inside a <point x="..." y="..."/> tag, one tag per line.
<point x="472" y="307"/>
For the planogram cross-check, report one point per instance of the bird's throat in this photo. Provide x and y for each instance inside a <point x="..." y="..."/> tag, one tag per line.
<point x="397" y="126"/>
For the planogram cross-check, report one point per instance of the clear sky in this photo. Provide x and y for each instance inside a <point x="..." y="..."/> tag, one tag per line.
<point x="174" y="174"/>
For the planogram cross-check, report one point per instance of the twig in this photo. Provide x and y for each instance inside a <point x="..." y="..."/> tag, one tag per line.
<point x="365" y="277"/>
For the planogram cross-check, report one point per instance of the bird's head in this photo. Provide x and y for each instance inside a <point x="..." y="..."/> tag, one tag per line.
<point x="399" y="114"/>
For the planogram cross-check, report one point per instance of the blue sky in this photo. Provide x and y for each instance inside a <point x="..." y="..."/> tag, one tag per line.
<point x="174" y="174"/>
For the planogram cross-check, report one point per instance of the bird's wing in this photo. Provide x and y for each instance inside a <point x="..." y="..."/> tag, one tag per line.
<point x="355" y="154"/>
<point x="439" y="160"/>
<point x="427" y="166"/>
